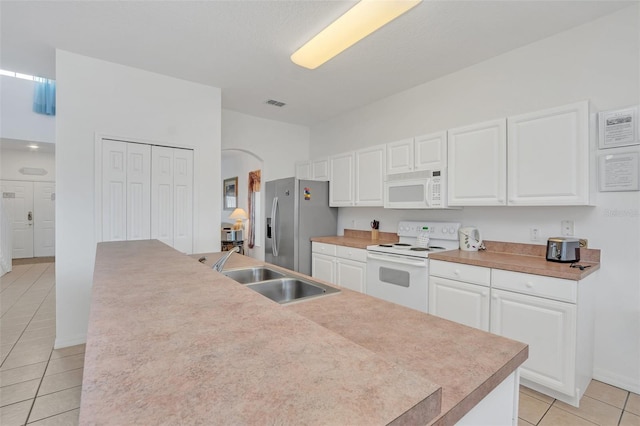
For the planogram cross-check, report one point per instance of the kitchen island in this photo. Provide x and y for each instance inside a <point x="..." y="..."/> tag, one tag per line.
<point x="171" y="341"/>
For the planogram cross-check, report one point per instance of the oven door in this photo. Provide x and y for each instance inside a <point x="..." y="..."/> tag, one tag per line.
<point x="398" y="279"/>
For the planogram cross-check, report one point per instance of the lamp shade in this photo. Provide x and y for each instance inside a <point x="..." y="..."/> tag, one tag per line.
<point x="239" y="214"/>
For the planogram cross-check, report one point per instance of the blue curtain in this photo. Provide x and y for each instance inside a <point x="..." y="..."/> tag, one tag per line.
<point x="44" y="96"/>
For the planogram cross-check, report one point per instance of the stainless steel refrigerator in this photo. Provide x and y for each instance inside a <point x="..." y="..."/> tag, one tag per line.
<point x="296" y="210"/>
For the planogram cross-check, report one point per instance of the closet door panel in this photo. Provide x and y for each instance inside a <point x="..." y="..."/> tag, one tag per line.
<point x="138" y="191"/>
<point x="183" y="200"/>
<point x="114" y="193"/>
<point x="162" y="216"/>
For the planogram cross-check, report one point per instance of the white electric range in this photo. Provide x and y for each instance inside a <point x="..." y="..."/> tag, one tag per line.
<point x="399" y="272"/>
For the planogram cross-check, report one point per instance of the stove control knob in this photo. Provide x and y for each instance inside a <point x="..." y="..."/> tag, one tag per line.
<point x="452" y="230"/>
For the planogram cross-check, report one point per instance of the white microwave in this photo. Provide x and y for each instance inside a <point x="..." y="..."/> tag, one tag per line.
<point x="416" y="190"/>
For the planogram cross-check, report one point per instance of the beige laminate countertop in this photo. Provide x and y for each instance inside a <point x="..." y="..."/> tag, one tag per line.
<point x="525" y="258"/>
<point x="171" y="341"/>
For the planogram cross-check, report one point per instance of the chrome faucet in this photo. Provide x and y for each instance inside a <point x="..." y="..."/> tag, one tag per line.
<point x="220" y="263"/>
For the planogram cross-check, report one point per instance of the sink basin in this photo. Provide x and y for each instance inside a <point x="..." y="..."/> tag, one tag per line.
<point x="253" y="275"/>
<point x="285" y="290"/>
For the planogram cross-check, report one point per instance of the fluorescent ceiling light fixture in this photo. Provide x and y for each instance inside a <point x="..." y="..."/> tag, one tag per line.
<point x="357" y="23"/>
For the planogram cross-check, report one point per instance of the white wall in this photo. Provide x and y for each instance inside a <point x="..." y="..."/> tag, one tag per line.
<point x="598" y="61"/>
<point x="12" y="160"/>
<point x="98" y="97"/>
<point x="278" y="144"/>
<point x="17" y="116"/>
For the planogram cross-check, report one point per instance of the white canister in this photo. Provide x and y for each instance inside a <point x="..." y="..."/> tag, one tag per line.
<point x="470" y="239"/>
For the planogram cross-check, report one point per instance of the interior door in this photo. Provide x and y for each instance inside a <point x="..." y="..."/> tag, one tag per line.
<point x="114" y="190"/>
<point x="162" y="194"/>
<point x="183" y="200"/>
<point x="44" y="229"/>
<point x="18" y="198"/>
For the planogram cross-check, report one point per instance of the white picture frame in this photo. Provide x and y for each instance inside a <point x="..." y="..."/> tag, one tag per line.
<point x="618" y="128"/>
<point x="618" y="172"/>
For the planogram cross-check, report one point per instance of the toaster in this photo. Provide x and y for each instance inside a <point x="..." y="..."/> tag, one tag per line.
<point x="561" y="249"/>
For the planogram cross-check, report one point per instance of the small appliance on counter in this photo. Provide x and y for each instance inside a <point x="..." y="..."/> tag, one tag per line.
<point x="470" y="239"/>
<point x="562" y="249"/>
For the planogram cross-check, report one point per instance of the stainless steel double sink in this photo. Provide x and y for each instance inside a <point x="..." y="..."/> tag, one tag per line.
<point x="277" y="285"/>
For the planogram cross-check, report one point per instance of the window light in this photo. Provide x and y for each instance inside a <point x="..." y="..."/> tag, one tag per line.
<point x="7" y="73"/>
<point x="358" y="22"/>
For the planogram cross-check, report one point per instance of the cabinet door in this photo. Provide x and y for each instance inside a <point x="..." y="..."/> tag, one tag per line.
<point x="430" y="151"/>
<point x="303" y="170"/>
<point x="548" y="327"/>
<point x="548" y="156"/>
<point x="351" y="274"/>
<point x="458" y="301"/>
<point x="341" y="180"/>
<point x="400" y="156"/>
<point x="477" y="163"/>
<point x="320" y="169"/>
<point x="369" y="168"/>
<point x="323" y="267"/>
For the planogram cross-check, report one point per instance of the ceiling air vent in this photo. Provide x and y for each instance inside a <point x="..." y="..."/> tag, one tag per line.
<point x="275" y="103"/>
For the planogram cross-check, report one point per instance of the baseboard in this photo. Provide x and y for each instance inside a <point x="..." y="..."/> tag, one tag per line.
<point x="617" y="380"/>
<point x="65" y="343"/>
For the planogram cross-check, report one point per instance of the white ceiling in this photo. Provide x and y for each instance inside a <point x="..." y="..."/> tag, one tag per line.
<point x="243" y="47"/>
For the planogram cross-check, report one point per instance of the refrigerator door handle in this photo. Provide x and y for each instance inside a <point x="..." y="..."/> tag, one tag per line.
<point x="274" y="226"/>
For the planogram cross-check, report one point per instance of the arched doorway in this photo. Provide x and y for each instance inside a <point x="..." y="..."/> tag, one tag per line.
<point x="239" y="163"/>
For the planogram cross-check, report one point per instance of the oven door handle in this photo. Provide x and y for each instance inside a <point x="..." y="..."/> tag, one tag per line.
<point x="394" y="259"/>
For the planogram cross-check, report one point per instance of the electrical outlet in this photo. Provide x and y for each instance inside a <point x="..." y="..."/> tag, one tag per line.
<point x="566" y="228"/>
<point x="534" y="233"/>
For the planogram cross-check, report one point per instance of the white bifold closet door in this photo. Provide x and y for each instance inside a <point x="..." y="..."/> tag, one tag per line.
<point x="172" y="197"/>
<point x="126" y="191"/>
<point x="147" y="192"/>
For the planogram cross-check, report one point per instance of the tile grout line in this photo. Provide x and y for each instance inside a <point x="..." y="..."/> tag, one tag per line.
<point x="17" y="278"/>
<point x="48" y="417"/>
<point x="26" y="290"/>
<point x="34" y="314"/>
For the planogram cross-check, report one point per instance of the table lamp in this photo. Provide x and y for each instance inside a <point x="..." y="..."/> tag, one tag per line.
<point x="239" y="215"/>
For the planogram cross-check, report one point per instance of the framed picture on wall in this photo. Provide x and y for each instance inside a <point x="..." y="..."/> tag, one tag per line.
<point x="230" y="193"/>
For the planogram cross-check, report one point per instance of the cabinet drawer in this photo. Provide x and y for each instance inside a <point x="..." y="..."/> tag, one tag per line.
<point x="460" y="272"/>
<point x="351" y="253"/>
<point x="536" y="285"/>
<point x="323" y="248"/>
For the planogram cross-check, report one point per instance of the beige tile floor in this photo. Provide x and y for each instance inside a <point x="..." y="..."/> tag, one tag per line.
<point x="41" y="386"/>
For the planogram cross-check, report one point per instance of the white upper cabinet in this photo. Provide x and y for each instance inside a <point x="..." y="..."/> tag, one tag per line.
<point x="369" y="168"/>
<point x="357" y="178"/>
<point x="303" y="170"/>
<point x="426" y="152"/>
<point x="430" y="151"/>
<point x="400" y="156"/>
<point x="477" y="164"/>
<point x="548" y="156"/>
<point x="320" y="169"/>
<point x="341" y="175"/>
<point x="313" y="169"/>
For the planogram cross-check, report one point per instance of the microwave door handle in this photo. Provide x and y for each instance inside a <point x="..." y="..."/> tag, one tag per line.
<point x="274" y="226"/>
<point x="428" y="189"/>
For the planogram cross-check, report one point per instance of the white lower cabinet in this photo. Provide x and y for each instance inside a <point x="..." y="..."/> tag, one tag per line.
<point x="460" y="293"/>
<point x="323" y="267"/>
<point x="458" y="301"/>
<point x="554" y="316"/>
<point x="548" y="327"/>
<point x="343" y="266"/>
